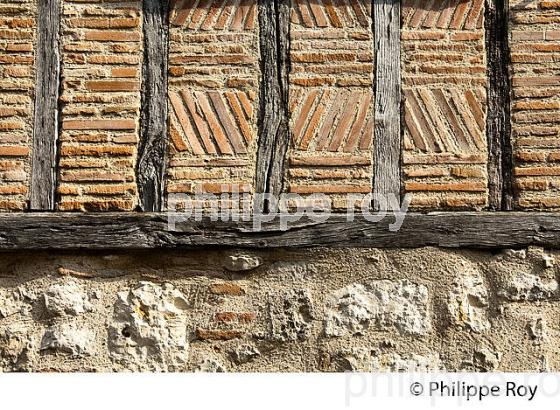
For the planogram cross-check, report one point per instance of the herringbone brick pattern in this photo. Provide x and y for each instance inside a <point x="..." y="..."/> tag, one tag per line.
<point x="446" y="14"/>
<point x="17" y="39"/>
<point x="461" y="129"/>
<point x="444" y="88"/>
<point x="213" y="91"/>
<point x="331" y="98"/>
<point x="535" y="57"/>
<point x="101" y="71"/>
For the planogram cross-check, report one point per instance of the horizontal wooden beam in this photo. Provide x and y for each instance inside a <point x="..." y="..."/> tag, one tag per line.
<point x="128" y="231"/>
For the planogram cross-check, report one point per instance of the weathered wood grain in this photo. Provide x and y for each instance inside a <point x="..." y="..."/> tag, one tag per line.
<point x="498" y="121"/>
<point x="45" y="127"/>
<point x="387" y="130"/>
<point x="126" y="231"/>
<point x="152" y="147"/>
<point x="274" y="26"/>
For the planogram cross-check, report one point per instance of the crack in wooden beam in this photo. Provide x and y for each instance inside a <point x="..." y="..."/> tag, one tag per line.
<point x="44" y="162"/>
<point x="152" y="147"/>
<point x="129" y="231"/>
<point x="387" y="91"/>
<point x="498" y="123"/>
<point x="274" y="26"/>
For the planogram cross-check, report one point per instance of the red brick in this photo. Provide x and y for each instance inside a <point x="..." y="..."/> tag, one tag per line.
<point x="230" y="289"/>
<point x="99" y="124"/>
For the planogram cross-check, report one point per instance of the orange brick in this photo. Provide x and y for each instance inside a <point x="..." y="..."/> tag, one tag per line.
<point x="528" y="156"/>
<point x="230" y="289"/>
<point x="12" y="189"/>
<point x="103" y="22"/>
<point x="108" y="35"/>
<point x="99" y="124"/>
<point x="330" y="189"/>
<point x="110" y="189"/>
<point x="532" y="185"/>
<point x="239" y="317"/>
<point x="95" y="206"/>
<point x="13" y="151"/>
<point x="96" y="150"/>
<point x="446" y="187"/>
<point x="113" y="86"/>
<point x="466" y="202"/>
<point x="124" y="72"/>
<point x="537" y="171"/>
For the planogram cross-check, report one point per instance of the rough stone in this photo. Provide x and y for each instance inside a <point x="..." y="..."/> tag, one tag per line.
<point x="394" y="362"/>
<point x="69" y="338"/>
<point x="13" y="302"/>
<point x="240" y="263"/>
<point x="537" y="330"/>
<point x="548" y="261"/>
<point x="523" y="286"/>
<point x="149" y="328"/>
<point x="541" y="257"/>
<point x="516" y="253"/>
<point x="468" y="301"/>
<point x="293" y="270"/>
<point x="486" y="360"/>
<point x="210" y="365"/>
<point x="524" y="279"/>
<point x="356" y="308"/>
<point x="291" y="315"/>
<point x="67" y="298"/>
<point x="351" y="360"/>
<point x="15" y="347"/>
<point x="244" y="353"/>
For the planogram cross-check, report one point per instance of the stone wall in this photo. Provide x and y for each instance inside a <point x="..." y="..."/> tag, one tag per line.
<point x="308" y="310"/>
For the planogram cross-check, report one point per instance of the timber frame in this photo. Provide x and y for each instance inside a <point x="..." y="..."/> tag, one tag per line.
<point x="128" y="231"/>
<point x="149" y="229"/>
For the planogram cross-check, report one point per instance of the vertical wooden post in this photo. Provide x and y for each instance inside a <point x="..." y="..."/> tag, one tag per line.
<point x="274" y="26"/>
<point x="498" y="125"/>
<point x="387" y="130"/>
<point x="152" y="147"/>
<point x="45" y="127"/>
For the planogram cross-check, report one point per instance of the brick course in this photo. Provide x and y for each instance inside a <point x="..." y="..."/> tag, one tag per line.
<point x="17" y="77"/>
<point x="535" y="67"/>
<point x="444" y="87"/>
<point x="101" y="77"/>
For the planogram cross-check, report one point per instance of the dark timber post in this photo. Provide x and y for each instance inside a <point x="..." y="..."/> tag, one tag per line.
<point x="152" y="148"/>
<point x="500" y="156"/>
<point x="274" y="26"/>
<point x="387" y="141"/>
<point x="45" y="127"/>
